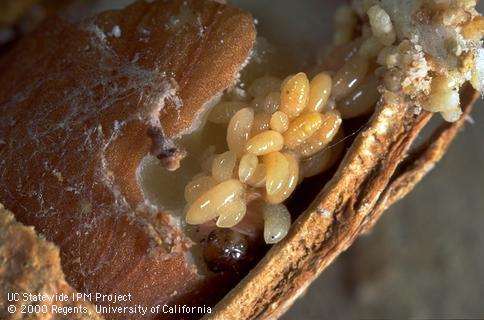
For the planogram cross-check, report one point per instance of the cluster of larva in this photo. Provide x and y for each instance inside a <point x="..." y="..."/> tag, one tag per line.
<point x="279" y="134"/>
<point x="278" y="131"/>
<point x="275" y="138"/>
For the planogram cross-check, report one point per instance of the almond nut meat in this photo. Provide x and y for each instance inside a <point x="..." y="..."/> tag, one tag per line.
<point x="77" y="103"/>
<point x="172" y="185"/>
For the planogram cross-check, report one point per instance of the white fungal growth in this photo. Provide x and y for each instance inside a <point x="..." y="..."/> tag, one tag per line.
<point x="325" y="213"/>
<point x="116" y="32"/>
<point x="477" y="79"/>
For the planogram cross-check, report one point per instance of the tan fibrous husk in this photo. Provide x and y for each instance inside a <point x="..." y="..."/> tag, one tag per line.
<point x="372" y="176"/>
<point x="40" y="273"/>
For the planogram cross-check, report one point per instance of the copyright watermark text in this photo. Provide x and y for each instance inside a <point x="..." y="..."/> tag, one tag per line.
<point x="78" y="303"/>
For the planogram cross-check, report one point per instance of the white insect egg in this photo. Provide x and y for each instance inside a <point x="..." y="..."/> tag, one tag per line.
<point x="277" y="221"/>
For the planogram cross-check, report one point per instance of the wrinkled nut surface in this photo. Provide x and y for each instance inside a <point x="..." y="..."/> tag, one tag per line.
<point x="95" y="97"/>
